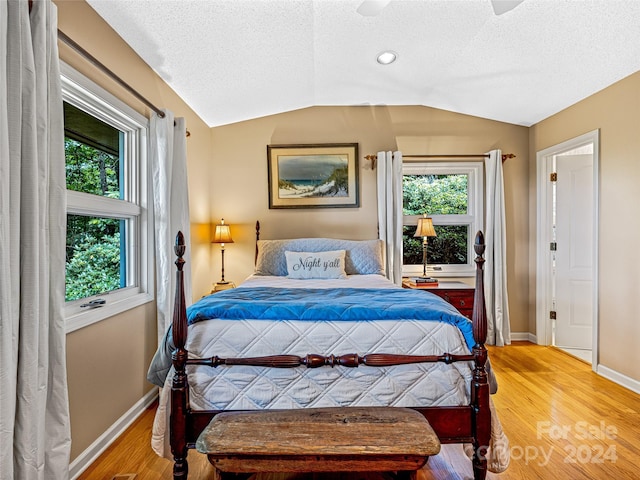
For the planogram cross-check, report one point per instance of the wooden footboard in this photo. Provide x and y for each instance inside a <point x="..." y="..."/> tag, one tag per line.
<point x="463" y="424"/>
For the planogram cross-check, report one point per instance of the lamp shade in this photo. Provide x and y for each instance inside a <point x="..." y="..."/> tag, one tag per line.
<point x="425" y="228"/>
<point x="222" y="233"/>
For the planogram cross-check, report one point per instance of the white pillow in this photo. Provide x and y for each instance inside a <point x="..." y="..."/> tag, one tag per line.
<point x="307" y="265"/>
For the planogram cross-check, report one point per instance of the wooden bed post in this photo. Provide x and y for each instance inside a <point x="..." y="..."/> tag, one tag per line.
<point x="179" y="388"/>
<point x="255" y="260"/>
<point x="481" y="420"/>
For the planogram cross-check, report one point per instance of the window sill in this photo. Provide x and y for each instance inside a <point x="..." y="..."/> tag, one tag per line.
<point x="76" y="320"/>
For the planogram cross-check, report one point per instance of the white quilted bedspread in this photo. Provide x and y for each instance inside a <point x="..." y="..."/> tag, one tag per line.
<point x="239" y="387"/>
<point x="257" y="388"/>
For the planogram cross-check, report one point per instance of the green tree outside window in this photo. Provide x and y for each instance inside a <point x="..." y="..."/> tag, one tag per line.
<point x="436" y="195"/>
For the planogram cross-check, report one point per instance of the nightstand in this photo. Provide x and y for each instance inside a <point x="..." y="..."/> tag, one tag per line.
<point x="458" y="294"/>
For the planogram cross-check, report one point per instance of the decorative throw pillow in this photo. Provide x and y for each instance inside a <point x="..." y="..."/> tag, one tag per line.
<point x="307" y="265"/>
<point x="362" y="256"/>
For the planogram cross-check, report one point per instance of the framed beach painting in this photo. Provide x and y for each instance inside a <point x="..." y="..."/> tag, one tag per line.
<point x="313" y="176"/>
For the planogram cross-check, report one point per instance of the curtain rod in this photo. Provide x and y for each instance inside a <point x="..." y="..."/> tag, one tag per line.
<point x="63" y="36"/>
<point x="505" y="156"/>
<point x="95" y="62"/>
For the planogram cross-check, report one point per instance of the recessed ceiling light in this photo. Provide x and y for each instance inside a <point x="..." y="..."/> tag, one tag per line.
<point x="385" y="58"/>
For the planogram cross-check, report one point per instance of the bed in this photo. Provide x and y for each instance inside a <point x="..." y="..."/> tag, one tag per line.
<point x="318" y="325"/>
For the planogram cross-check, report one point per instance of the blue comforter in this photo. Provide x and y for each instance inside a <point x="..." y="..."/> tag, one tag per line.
<point x="269" y="303"/>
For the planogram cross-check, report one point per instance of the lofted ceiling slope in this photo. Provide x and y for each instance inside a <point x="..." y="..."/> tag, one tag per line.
<point x="234" y="60"/>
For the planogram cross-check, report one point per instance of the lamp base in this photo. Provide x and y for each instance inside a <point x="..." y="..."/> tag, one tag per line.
<point x="219" y="286"/>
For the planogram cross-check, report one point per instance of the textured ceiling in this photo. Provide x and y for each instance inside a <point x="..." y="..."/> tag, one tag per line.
<point x="233" y="60"/>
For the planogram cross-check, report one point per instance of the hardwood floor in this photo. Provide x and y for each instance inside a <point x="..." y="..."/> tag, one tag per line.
<point x="562" y="420"/>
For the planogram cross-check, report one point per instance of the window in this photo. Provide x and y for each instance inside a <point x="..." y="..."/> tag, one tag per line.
<point x="107" y="259"/>
<point x="451" y="194"/>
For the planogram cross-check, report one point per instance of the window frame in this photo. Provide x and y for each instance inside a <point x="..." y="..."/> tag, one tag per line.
<point x="474" y="219"/>
<point x="134" y="208"/>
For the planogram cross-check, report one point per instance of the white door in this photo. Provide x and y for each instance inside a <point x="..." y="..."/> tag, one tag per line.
<point x="574" y="213"/>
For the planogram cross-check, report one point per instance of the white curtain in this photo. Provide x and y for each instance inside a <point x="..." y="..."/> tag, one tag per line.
<point x="389" y="180"/>
<point x="34" y="410"/>
<point x="497" y="300"/>
<point x="171" y="210"/>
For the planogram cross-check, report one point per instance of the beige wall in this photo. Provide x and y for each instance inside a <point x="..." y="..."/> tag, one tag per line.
<point x="227" y="166"/>
<point x="106" y="369"/>
<point x="615" y="111"/>
<point x="240" y="195"/>
<point x="107" y="361"/>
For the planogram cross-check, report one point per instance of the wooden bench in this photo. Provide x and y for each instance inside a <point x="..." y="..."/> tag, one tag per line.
<point x="354" y="439"/>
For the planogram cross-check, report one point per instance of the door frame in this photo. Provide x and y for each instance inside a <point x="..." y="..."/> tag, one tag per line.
<point x="543" y="235"/>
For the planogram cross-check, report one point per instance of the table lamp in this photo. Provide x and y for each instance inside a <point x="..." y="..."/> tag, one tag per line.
<point x="425" y="229"/>
<point x="222" y="235"/>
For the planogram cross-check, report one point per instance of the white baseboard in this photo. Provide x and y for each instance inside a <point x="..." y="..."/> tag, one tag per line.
<point x="523" y="337"/>
<point x="86" y="458"/>
<point x="619" y="378"/>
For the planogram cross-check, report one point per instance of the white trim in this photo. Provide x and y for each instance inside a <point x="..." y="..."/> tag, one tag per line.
<point x="543" y="293"/>
<point x="86" y="458"/>
<point x="474" y="219"/>
<point x="619" y="378"/>
<point x="102" y="104"/>
<point x="523" y="337"/>
<point x="81" y="203"/>
<point x="116" y="303"/>
<point x="134" y="207"/>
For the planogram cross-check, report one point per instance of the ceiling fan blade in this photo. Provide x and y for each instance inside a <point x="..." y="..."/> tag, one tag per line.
<point x="504" y="6"/>
<point x="371" y="8"/>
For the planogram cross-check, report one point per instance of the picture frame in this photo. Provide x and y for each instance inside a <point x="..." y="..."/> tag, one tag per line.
<point x="313" y="176"/>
